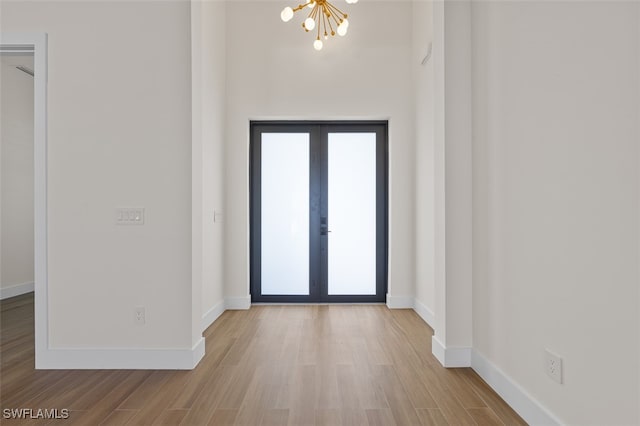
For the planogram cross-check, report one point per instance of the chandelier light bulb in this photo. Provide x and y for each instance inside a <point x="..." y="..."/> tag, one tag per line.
<point x="309" y="24"/>
<point x="345" y="22"/>
<point x="342" y="30"/>
<point x="317" y="44"/>
<point x="312" y="5"/>
<point x="286" y="14"/>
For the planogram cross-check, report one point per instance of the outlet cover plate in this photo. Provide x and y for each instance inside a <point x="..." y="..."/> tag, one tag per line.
<point x="553" y="366"/>
<point x="139" y="317"/>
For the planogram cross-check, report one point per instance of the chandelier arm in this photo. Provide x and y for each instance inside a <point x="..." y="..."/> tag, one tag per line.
<point x="336" y="20"/>
<point x="333" y="15"/>
<point x="324" y="16"/>
<point x="336" y="10"/>
<point x="331" y="26"/>
<point x="324" y="25"/>
<point x="300" y="7"/>
<point x="314" y="13"/>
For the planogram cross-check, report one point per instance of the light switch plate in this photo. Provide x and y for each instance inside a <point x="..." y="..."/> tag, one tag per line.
<point x="130" y="216"/>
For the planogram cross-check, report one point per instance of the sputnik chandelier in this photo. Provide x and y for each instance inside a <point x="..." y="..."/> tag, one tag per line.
<point x="323" y="16"/>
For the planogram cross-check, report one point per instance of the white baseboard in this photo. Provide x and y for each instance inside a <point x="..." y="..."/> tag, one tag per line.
<point x="16" y="290"/>
<point x="237" y="303"/>
<point x="519" y="399"/>
<point x="212" y="314"/>
<point x="399" y="302"/>
<point x="119" y="359"/>
<point x="425" y="313"/>
<point x="450" y="357"/>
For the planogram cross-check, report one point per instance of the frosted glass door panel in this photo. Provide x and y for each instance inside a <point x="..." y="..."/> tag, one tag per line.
<point x="352" y="213"/>
<point x="285" y="213"/>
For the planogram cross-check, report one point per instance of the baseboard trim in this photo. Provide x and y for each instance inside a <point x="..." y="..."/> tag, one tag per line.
<point x="212" y="314"/>
<point x="450" y="357"/>
<point x="519" y="399"/>
<point x="399" y="302"/>
<point x="16" y="290"/>
<point x="425" y="313"/>
<point x="237" y="303"/>
<point x="121" y="359"/>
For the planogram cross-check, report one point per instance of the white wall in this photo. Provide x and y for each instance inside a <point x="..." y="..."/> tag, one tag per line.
<point x="16" y="128"/>
<point x="452" y="181"/>
<point x="119" y="134"/>
<point x="274" y="72"/>
<point x="424" y="157"/>
<point x="555" y="172"/>
<point x="208" y="27"/>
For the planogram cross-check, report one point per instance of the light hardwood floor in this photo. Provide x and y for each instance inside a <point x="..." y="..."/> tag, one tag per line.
<point x="271" y="365"/>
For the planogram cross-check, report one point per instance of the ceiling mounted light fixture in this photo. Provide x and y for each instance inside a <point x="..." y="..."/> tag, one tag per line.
<point x="324" y="17"/>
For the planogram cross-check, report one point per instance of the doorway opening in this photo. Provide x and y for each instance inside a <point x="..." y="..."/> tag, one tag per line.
<point x="35" y="44"/>
<point x="17" y="174"/>
<point x="318" y="214"/>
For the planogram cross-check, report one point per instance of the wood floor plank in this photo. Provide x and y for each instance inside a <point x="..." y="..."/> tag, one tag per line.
<point x="502" y="410"/>
<point x="270" y="365"/>
<point x="353" y="417"/>
<point x="328" y="391"/>
<point x="467" y="396"/>
<point x="118" y="417"/>
<point x="195" y="385"/>
<point x="70" y="389"/>
<point x="348" y="387"/>
<point x="381" y="417"/>
<point x="220" y="379"/>
<point x="431" y="417"/>
<point x="156" y="405"/>
<point x="242" y="377"/>
<point x="328" y="417"/>
<point x="222" y="417"/>
<point x="260" y="396"/>
<point x="275" y="417"/>
<point x="447" y="401"/>
<point x="146" y="391"/>
<point x="485" y="417"/>
<point x="170" y="417"/>
<point x="109" y="402"/>
<point x="399" y="402"/>
<point x="92" y="396"/>
<point x="416" y="389"/>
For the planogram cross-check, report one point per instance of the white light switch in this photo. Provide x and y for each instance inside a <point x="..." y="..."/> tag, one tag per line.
<point x="130" y="216"/>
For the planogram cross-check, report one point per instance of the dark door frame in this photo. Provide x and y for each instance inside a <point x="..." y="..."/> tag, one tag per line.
<point x="318" y="181"/>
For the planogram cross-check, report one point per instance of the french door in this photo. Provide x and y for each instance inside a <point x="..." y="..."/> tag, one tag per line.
<point x="318" y="211"/>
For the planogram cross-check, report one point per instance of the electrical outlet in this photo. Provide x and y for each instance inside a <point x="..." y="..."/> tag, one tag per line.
<point x="553" y="364"/>
<point x="139" y="315"/>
